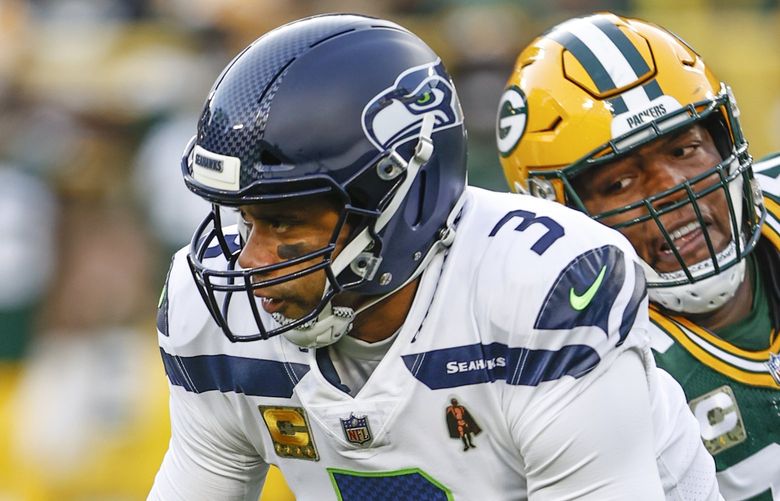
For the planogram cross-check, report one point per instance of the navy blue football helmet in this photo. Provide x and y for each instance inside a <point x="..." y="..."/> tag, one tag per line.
<point x="346" y="105"/>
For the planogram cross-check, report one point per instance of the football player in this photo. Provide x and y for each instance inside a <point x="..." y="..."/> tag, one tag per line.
<point x="364" y="289"/>
<point x="624" y="121"/>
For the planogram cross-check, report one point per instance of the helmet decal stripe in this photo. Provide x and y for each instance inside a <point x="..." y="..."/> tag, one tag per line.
<point x="609" y="57"/>
<point x="624" y="45"/>
<point x="591" y="63"/>
<point x="587" y="58"/>
<point x="612" y="59"/>
<point x="653" y="89"/>
<point x="618" y="105"/>
<point x="631" y="53"/>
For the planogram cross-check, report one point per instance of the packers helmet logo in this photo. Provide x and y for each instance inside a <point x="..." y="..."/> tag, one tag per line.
<point x="512" y="117"/>
<point x="396" y="114"/>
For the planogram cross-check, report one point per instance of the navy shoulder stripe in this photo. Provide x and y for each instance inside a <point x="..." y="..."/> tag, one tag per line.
<point x="226" y="373"/>
<point x="585" y="291"/>
<point x="487" y="363"/>
<point x="632" y="308"/>
<point x="162" y="305"/>
<point x="215" y="250"/>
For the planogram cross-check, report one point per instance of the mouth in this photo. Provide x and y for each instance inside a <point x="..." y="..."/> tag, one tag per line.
<point x="271" y="304"/>
<point x="684" y="237"/>
<point x="690" y="242"/>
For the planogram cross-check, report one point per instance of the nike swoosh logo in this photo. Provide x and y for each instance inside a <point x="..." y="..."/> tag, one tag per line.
<point x="581" y="301"/>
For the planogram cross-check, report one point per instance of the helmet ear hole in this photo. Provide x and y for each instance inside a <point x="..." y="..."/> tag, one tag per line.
<point x="417" y="210"/>
<point x="269" y="158"/>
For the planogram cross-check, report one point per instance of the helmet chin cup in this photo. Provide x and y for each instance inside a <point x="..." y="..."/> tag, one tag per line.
<point x="704" y="296"/>
<point x="330" y="325"/>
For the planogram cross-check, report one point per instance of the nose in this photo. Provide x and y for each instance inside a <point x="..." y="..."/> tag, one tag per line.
<point x="259" y="250"/>
<point x="663" y="175"/>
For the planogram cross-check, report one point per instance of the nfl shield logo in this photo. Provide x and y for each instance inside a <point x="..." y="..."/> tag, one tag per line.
<point x="356" y="429"/>
<point x="774" y="367"/>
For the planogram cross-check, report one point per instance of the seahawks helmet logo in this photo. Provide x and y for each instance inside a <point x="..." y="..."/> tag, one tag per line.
<point x="396" y="114"/>
<point x="512" y="117"/>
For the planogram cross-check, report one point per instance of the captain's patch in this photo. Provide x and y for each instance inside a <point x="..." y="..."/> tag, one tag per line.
<point x="290" y="432"/>
<point x="719" y="419"/>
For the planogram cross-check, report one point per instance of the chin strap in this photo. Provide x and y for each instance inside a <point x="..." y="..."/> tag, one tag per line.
<point x="361" y="242"/>
<point x="329" y="326"/>
<point x="447" y="236"/>
<point x="334" y="322"/>
<point x="703" y="296"/>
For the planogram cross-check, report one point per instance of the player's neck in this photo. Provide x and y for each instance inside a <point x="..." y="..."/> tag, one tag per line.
<point x="384" y="318"/>
<point x="732" y="312"/>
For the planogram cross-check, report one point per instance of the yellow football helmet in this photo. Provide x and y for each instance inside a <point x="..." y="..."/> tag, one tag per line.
<point x="598" y="87"/>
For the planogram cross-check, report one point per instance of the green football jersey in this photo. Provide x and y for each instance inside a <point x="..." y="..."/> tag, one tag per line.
<point x="733" y="388"/>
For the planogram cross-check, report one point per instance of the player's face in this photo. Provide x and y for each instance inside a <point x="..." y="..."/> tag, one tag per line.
<point x="280" y="231"/>
<point x="654" y="168"/>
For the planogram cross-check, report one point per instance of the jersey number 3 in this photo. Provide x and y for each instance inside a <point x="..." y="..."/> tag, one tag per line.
<point x="528" y="218"/>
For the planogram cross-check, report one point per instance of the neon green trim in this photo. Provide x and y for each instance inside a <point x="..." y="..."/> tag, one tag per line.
<point x="162" y="295"/>
<point x="382" y="474"/>
<point x="581" y="301"/>
<point x="424" y="99"/>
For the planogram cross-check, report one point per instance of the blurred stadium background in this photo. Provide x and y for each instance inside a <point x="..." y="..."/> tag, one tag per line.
<point x="97" y="100"/>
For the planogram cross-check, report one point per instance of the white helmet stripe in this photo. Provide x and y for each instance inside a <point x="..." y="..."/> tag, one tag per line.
<point x="610" y="59"/>
<point x="604" y="49"/>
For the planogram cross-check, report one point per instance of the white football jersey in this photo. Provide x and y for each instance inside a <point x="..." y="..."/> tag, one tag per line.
<point x="513" y="376"/>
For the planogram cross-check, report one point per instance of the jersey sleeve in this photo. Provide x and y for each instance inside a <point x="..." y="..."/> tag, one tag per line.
<point x="599" y="445"/>
<point x="209" y="457"/>
<point x="573" y="314"/>
<point x="564" y="308"/>
<point x="767" y="172"/>
<point x="582" y="400"/>
<point x="205" y="460"/>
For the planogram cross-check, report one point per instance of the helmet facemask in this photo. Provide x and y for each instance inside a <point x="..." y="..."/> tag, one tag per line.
<point x="592" y="91"/>
<point x="358" y="259"/>
<point x="695" y="287"/>
<point x="229" y="293"/>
